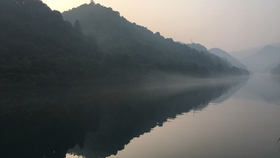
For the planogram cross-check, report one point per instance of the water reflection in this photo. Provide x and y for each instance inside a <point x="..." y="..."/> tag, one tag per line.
<point x="262" y="87"/>
<point x="225" y="96"/>
<point x="239" y="127"/>
<point x="99" y="122"/>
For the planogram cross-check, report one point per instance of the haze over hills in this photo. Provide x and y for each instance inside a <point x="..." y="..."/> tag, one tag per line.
<point x="202" y="48"/>
<point x="264" y="60"/>
<point x="220" y="53"/>
<point x="243" y="54"/>
<point x="226" y="55"/>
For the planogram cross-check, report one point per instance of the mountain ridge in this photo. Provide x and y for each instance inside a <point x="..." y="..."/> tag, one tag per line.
<point x="243" y="54"/>
<point x="221" y="53"/>
<point x="132" y="34"/>
<point x="263" y="60"/>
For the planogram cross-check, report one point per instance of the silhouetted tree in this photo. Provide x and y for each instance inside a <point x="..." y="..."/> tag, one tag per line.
<point x="77" y="26"/>
<point x="92" y="2"/>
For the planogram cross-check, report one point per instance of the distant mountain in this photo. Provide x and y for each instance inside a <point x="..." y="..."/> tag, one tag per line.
<point x="230" y="58"/>
<point x="243" y="54"/>
<point x="263" y="59"/>
<point x="270" y="67"/>
<point x="203" y="49"/>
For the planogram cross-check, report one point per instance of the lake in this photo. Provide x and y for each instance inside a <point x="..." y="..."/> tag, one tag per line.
<point x="231" y="117"/>
<point x="244" y="125"/>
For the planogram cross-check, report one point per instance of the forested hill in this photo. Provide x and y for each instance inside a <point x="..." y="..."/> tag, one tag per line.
<point x="39" y="48"/>
<point x="223" y="54"/>
<point x="114" y="34"/>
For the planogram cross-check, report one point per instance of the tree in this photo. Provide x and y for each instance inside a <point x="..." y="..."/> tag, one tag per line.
<point x="92" y="2"/>
<point x="77" y="26"/>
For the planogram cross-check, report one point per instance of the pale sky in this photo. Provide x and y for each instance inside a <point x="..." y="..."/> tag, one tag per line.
<point x="228" y="24"/>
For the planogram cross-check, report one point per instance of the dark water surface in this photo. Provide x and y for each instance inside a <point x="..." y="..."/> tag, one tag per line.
<point x="197" y="119"/>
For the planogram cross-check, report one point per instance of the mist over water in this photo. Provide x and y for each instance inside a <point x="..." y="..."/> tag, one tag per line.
<point x="171" y="97"/>
<point x="100" y="120"/>
<point x="174" y="116"/>
<point x="176" y="83"/>
<point x="245" y="124"/>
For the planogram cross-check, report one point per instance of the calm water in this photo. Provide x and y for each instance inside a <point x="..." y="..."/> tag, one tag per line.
<point x="244" y="125"/>
<point x="217" y="120"/>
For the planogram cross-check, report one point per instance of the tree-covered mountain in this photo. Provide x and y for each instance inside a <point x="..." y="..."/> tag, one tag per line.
<point x="114" y="34"/>
<point x="227" y="58"/>
<point x="223" y="54"/>
<point x="201" y="48"/>
<point x="39" y="48"/>
<point x="197" y="47"/>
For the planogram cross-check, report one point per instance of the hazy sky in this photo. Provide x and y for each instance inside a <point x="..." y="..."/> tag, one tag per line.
<point x="227" y="24"/>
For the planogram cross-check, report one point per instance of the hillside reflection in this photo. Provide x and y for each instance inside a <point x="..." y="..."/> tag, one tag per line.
<point x="100" y="121"/>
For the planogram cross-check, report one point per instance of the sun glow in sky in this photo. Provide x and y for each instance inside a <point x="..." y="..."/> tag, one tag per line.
<point x="228" y="24"/>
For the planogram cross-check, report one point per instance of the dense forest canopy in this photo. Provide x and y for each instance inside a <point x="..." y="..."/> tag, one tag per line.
<point x="39" y="48"/>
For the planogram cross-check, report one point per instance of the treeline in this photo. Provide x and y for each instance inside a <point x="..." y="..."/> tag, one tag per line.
<point x="39" y="48"/>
